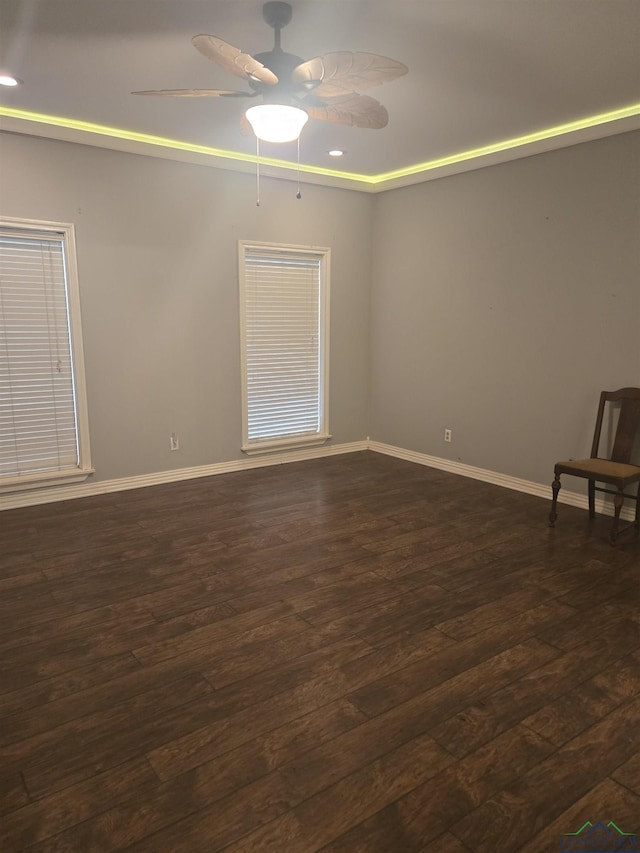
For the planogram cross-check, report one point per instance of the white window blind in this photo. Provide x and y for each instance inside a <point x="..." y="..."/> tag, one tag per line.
<point x="284" y="302"/>
<point x="39" y="429"/>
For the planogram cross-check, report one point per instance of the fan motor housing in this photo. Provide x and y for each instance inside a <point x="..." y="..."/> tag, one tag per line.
<point x="282" y="65"/>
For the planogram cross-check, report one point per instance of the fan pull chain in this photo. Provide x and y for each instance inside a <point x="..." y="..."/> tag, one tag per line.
<point x="257" y="172"/>
<point x="298" y="194"/>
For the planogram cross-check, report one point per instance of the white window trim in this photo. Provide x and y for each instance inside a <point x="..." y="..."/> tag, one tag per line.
<point x="80" y="472"/>
<point x="256" y="446"/>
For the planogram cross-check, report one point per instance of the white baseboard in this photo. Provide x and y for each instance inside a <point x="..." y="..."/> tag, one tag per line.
<point x="527" y="486"/>
<point x="103" y="487"/>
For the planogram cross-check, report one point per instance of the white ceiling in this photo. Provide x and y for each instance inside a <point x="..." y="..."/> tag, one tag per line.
<point x="480" y="71"/>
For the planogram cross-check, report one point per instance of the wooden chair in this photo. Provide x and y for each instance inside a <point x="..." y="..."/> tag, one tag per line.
<point x="616" y="470"/>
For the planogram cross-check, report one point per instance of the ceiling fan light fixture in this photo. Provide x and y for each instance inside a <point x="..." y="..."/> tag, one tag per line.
<point x="276" y="122"/>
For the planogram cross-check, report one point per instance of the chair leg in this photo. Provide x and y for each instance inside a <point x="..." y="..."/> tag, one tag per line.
<point x="618" y="500"/>
<point x="555" y="488"/>
<point x="592" y="499"/>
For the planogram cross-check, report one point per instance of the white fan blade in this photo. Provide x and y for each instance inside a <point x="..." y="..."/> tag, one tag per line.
<point x="198" y="93"/>
<point x="353" y="109"/>
<point x="232" y="59"/>
<point x="343" y="72"/>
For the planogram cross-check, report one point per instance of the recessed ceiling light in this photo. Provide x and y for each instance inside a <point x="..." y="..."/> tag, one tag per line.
<point x="8" y="80"/>
<point x="335" y="152"/>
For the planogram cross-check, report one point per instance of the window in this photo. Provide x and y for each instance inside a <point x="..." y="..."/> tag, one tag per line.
<point x="43" y="417"/>
<point x="284" y="317"/>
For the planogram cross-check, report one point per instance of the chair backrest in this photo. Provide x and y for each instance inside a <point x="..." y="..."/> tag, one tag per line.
<point x="628" y="422"/>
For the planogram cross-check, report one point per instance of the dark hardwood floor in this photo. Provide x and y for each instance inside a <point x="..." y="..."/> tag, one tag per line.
<point x="349" y="655"/>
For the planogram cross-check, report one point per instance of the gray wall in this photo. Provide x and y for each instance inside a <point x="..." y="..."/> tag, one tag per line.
<point x="157" y="258"/>
<point x="503" y="301"/>
<point x="497" y="303"/>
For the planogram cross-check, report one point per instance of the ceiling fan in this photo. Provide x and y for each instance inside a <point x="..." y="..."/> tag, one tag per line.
<point x="326" y="87"/>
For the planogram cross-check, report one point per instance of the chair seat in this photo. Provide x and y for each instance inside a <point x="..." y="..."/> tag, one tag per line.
<point x="603" y="470"/>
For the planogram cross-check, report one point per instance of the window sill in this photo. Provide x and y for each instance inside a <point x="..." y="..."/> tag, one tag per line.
<point x="44" y="480"/>
<point x="277" y="444"/>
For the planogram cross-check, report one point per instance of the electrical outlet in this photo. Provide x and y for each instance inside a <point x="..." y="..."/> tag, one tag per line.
<point x="174" y="443"/>
<point x="447" y="435"/>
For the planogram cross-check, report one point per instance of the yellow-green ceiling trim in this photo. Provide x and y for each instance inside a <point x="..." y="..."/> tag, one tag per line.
<point x="615" y="121"/>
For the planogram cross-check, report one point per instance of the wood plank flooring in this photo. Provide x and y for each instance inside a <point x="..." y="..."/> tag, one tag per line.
<point x="349" y="655"/>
